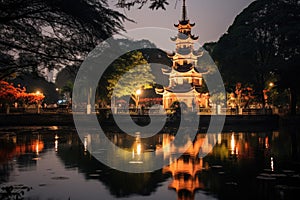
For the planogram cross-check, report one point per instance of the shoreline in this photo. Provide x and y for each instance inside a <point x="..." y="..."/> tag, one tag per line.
<point x="66" y="119"/>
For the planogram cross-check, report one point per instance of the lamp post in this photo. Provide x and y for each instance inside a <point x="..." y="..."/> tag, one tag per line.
<point x="271" y="85"/>
<point x="137" y="92"/>
<point x="38" y="101"/>
<point x="89" y="106"/>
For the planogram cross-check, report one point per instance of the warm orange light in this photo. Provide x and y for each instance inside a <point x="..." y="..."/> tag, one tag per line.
<point x="232" y="144"/>
<point x="139" y="149"/>
<point x="271" y="84"/>
<point x="37" y="146"/>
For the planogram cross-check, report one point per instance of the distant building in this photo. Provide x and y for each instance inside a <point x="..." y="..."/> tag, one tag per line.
<point x="184" y="79"/>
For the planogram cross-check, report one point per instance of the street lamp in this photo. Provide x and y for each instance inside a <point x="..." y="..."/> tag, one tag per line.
<point x="271" y="85"/>
<point x="137" y="92"/>
<point x="38" y="93"/>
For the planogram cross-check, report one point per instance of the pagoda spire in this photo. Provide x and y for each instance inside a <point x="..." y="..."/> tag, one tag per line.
<point x="184" y="12"/>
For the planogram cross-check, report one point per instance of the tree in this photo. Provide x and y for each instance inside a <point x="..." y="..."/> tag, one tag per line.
<point x="10" y="94"/>
<point x="52" y="33"/>
<point x="155" y="4"/>
<point x="37" y="83"/>
<point x="127" y="74"/>
<point x="262" y="44"/>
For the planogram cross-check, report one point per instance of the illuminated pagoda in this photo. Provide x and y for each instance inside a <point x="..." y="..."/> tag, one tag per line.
<point x="184" y="79"/>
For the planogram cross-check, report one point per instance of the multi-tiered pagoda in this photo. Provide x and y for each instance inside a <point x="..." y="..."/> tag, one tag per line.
<point x="184" y="79"/>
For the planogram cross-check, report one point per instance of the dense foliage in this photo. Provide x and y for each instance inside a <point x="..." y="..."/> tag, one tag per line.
<point x="262" y="45"/>
<point x="52" y="33"/>
<point x="10" y="94"/>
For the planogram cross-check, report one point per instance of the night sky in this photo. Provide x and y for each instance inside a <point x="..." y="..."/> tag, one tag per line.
<point x="212" y="17"/>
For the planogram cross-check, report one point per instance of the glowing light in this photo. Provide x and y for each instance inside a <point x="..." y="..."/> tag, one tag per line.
<point x="136" y="162"/>
<point x="219" y="138"/>
<point x="267" y="142"/>
<point x="271" y="84"/>
<point x="232" y="143"/>
<point x="138" y="92"/>
<point x="272" y="164"/>
<point x="138" y="149"/>
<point x="56" y="145"/>
<point x="37" y="148"/>
<point x="85" y="143"/>
<point x="132" y="153"/>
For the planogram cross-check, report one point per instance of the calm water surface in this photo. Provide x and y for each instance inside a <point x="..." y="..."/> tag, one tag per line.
<point x="55" y="164"/>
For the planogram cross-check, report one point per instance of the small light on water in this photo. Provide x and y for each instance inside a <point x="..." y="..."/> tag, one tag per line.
<point x="136" y="162"/>
<point x="272" y="164"/>
<point x="37" y="148"/>
<point x="85" y="143"/>
<point x="56" y="145"/>
<point x="232" y="143"/>
<point x="139" y="149"/>
<point x="267" y="142"/>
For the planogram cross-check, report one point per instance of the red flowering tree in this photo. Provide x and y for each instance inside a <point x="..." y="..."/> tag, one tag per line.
<point x="31" y="98"/>
<point x="10" y="94"/>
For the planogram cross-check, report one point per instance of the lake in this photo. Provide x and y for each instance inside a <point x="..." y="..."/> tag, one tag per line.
<point x="52" y="162"/>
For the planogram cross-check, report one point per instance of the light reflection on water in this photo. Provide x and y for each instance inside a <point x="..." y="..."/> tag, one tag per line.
<point x="57" y="165"/>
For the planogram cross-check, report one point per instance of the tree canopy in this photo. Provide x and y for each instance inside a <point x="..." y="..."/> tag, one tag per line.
<point x="10" y="94"/>
<point x="263" y="43"/>
<point x="52" y="33"/>
<point x="155" y="4"/>
<point x="125" y="75"/>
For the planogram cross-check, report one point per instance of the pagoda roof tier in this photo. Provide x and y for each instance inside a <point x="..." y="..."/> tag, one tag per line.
<point x="166" y="71"/>
<point x="184" y="67"/>
<point x="185" y="51"/>
<point x="172" y="71"/>
<point x="189" y="185"/>
<point x="184" y="36"/>
<point x="192" y="55"/>
<point x="198" y="89"/>
<point x="190" y="167"/>
<point x="198" y="52"/>
<point x="170" y="55"/>
<point x="185" y="24"/>
<point x="186" y="88"/>
<point x="159" y="91"/>
<point x="179" y="89"/>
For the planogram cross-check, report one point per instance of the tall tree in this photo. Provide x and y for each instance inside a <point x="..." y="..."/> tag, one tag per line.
<point x="125" y="75"/>
<point x="52" y="33"/>
<point x="262" y="42"/>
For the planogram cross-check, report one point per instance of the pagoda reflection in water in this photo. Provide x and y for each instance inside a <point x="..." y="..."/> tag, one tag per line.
<point x="184" y="171"/>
